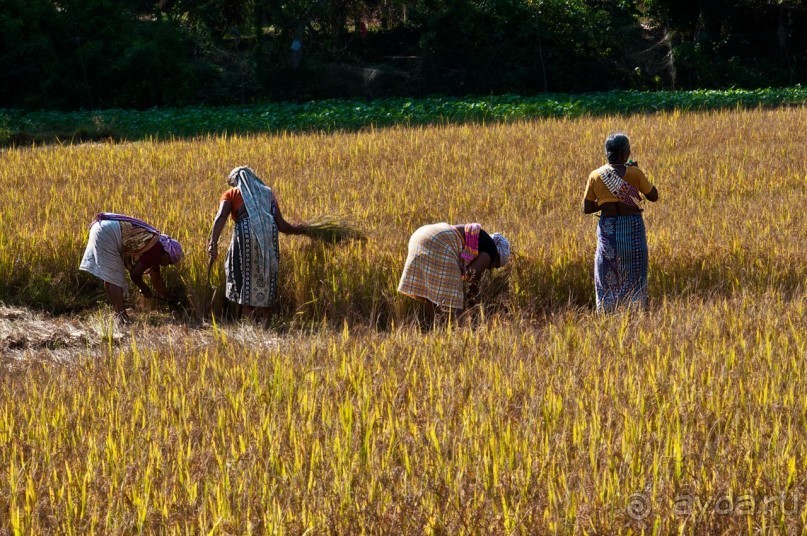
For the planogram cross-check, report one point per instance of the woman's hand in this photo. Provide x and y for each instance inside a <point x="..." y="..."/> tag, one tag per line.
<point x="122" y="317"/>
<point x="285" y="227"/>
<point x="212" y="251"/>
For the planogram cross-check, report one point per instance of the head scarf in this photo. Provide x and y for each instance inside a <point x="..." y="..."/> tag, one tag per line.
<point x="172" y="247"/>
<point x="169" y="245"/>
<point x="503" y="247"/>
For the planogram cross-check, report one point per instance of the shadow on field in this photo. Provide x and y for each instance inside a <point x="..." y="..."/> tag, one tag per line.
<point x="725" y="276"/>
<point x="334" y="295"/>
<point x="546" y="287"/>
<point x="61" y="137"/>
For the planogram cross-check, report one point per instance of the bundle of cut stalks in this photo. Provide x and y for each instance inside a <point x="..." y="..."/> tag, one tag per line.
<point x="332" y="229"/>
<point x="494" y="284"/>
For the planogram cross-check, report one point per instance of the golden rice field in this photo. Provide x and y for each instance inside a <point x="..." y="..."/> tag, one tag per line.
<point x="540" y="417"/>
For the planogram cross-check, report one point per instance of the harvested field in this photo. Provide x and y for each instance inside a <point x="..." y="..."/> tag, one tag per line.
<point x="538" y="416"/>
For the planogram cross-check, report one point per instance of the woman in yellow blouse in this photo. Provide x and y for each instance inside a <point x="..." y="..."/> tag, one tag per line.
<point x="615" y="190"/>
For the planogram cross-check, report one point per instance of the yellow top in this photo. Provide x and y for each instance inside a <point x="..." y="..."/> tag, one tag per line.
<point x="597" y="191"/>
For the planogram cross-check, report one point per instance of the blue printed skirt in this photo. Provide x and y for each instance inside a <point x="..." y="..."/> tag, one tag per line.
<point x="620" y="264"/>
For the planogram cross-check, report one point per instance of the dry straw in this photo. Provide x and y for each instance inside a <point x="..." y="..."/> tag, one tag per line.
<point x="333" y="229"/>
<point x="494" y="285"/>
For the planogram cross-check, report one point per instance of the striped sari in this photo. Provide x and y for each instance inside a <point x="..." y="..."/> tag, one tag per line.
<point x="620" y="264"/>
<point x="252" y="261"/>
<point x="247" y="283"/>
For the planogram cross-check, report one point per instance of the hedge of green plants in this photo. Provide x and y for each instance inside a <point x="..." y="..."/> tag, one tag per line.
<point x="21" y="127"/>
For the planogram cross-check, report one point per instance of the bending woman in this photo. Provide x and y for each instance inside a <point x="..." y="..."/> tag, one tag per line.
<point x="442" y="256"/>
<point x="620" y="264"/>
<point x="119" y="243"/>
<point x="252" y="261"/>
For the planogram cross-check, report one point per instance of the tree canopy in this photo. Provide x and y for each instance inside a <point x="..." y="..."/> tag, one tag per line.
<point x="72" y="54"/>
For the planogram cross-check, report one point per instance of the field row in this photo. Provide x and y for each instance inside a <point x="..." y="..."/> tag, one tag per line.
<point x="732" y="186"/>
<point x="687" y="417"/>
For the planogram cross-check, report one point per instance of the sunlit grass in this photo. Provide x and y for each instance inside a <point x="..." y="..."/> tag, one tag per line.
<point x="731" y="185"/>
<point x="515" y="425"/>
<point x="538" y="417"/>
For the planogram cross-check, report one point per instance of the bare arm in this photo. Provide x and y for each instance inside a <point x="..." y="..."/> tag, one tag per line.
<point x="652" y="195"/>
<point x="474" y="272"/>
<point x="157" y="282"/>
<point x="285" y="227"/>
<point x="137" y="278"/>
<point x="590" y="205"/>
<point x="218" y="225"/>
<point x="476" y="267"/>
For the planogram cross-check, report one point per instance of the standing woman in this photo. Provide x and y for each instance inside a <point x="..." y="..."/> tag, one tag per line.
<point x="620" y="264"/>
<point x="119" y="243"/>
<point x="442" y="256"/>
<point x="251" y="265"/>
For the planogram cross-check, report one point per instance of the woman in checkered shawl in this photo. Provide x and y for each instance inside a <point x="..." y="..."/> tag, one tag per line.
<point x="443" y="256"/>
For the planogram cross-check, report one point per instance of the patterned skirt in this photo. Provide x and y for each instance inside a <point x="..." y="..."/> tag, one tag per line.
<point x="620" y="264"/>
<point x="246" y="285"/>
<point x="433" y="270"/>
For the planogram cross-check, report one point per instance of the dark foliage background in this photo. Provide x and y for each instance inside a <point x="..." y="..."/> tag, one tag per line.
<point x="72" y="54"/>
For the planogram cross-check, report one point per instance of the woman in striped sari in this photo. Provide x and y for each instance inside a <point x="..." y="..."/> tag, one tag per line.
<point x="443" y="256"/>
<point x="615" y="191"/>
<point x="252" y="261"/>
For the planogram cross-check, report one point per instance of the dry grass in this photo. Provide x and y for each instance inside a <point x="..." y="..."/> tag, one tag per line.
<point x="732" y="187"/>
<point x="333" y="229"/>
<point x="543" y="418"/>
<point x="532" y="426"/>
<point x="25" y="335"/>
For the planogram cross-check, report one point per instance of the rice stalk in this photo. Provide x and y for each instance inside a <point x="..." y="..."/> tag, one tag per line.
<point x="333" y="228"/>
<point x="494" y="284"/>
